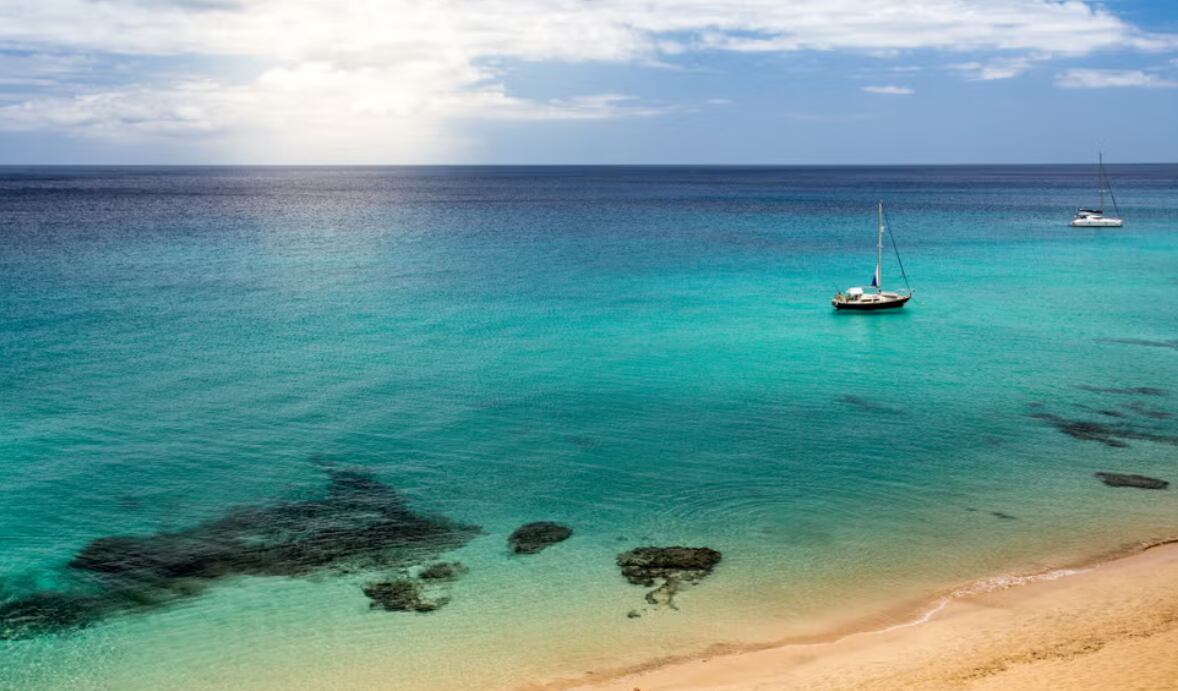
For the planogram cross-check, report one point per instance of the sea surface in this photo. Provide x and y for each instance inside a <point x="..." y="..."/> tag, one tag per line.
<point x="645" y="354"/>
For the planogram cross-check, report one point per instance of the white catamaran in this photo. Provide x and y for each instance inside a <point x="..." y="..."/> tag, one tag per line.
<point x="860" y="298"/>
<point x="1095" y="218"/>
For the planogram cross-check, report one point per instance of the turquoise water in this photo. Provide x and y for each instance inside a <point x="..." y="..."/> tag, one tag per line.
<point x="645" y="354"/>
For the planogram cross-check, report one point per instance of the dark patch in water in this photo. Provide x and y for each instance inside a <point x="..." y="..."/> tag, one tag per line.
<point x="674" y="566"/>
<point x="580" y="441"/>
<point x="1003" y="516"/>
<point x="401" y="595"/>
<point x="1173" y="344"/>
<point x="1108" y="434"/>
<point x="1140" y="409"/>
<point x="361" y="524"/>
<point x="1138" y="481"/>
<point x="1125" y="391"/>
<point x="1085" y="431"/>
<point x="533" y="537"/>
<point x="1103" y="411"/>
<point x="868" y="405"/>
<point x="442" y="571"/>
<point x="129" y="503"/>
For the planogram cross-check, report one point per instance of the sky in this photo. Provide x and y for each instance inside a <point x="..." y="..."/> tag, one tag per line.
<point x="587" y="81"/>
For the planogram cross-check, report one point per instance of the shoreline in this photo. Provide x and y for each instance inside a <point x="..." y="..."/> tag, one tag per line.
<point x="1074" y="610"/>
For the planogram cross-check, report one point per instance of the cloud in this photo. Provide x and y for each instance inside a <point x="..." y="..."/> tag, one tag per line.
<point x="1003" y="67"/>
<point x="394" y="76"/>
<point x="563" y="29"/>
<point x="890" y="90"/>
<point x="1108" y="79"/>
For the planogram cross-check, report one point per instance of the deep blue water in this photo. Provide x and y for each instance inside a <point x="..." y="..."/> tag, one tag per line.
<point x="647" y="354"/>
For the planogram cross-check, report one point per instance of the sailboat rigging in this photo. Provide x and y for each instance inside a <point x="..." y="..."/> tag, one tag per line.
<point x="1095" y="218"/>
<point x="860" y="298"/>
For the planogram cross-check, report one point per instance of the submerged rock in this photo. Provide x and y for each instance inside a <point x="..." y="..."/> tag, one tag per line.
<point x="361" y="520"/>
<point x="1141" y="409"/>
<point x="1083" y="430"/>
<point x="674" y="566"/>
<point x="1108" y="434"/>
<point x="533" y="537"/>
<point x="361" y="524"/>
<point x="401" y="595"/>
<point x="442" y="571"/>
<point x="642" y="565"/>
<point x="1138" y="481"/>
<point x="48" y="611"/>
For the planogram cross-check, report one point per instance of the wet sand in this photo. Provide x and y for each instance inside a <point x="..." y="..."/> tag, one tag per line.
<point x="1112" y="625"/>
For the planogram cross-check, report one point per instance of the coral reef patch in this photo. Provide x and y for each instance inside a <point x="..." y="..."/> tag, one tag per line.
<point x="530" y="538"/>
<point x="1129" y="480"/>
<point x="675" y="567"/>
<point x="360" y="525"/>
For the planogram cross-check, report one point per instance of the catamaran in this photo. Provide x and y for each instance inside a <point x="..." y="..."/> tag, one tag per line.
<point x="1095" y="218"/>
<point x="862" y="298"/>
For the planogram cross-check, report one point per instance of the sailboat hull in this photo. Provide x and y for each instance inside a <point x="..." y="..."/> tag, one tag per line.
<point x="872" y="306"/>
<point x="1097" y="223"/>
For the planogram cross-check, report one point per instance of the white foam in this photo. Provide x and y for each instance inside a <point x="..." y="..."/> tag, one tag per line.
<point x="985" y="585"/>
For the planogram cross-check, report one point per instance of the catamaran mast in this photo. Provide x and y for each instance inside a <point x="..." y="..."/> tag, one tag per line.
<point x="879" y="252"/>
<point x="1100" y="177"/>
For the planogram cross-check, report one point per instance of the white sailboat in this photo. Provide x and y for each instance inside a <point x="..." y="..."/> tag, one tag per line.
<point x="1095" y="218"/>
<point x="861" y="298"/>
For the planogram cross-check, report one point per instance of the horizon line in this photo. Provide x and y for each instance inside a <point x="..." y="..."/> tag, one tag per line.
<point x="568" y="165"/>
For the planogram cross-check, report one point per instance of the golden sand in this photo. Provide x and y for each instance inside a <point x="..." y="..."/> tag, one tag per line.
<point x="1110" y="626"/>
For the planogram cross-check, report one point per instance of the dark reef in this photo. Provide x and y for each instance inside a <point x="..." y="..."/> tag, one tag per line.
<point x="1140" y="408"/>
<point x="442" y="571"/>
<point x="362" y="524"/>
<point x="1138" y="481"/>
<point x="533" y="537"/>
<point x="1108" y="434"/>
<point x="401" y="595"/>
<point x="674" y="566"/>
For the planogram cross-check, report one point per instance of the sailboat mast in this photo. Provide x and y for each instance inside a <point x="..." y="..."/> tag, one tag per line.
<point x="879" y="252"/>
<point x="1100" y="177"/>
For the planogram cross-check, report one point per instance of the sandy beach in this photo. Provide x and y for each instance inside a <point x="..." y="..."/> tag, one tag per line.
<point x="1111" y="625"/>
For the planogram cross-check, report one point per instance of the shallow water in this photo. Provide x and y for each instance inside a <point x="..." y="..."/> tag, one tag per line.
<point x="645" y="354"/>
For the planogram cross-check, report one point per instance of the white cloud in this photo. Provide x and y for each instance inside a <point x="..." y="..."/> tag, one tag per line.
<point x="1107" y="79"/>
<point x="1002" y="67"/>
<point x="390" y="75"/>
<point x="890" y="90"/>
<point x="562" y="29"/>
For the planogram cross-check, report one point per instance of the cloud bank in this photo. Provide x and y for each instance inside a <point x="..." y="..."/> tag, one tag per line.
<point x="387" y="81"/>
<point x="1110" y="79"/>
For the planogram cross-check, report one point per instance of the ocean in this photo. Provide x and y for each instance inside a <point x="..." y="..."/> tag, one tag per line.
<point x="647" y="355"/>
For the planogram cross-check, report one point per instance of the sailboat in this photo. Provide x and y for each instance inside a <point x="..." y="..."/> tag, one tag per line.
<point x="1095" y="218"/>
<point x="864" y="299"/>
